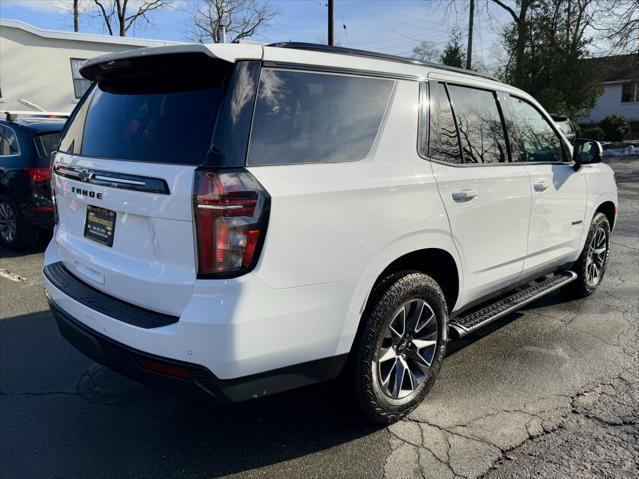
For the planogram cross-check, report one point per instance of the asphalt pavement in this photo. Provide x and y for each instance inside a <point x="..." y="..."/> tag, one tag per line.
<point x="550" y="391"/>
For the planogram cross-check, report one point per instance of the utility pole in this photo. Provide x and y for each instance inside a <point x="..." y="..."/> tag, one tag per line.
<point x="469" y="51"/>
<point x="330" y="22"/>
<point x="76" y="15"/>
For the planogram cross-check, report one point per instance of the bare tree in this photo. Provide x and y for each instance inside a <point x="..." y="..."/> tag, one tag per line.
<point x="119" y="17"/>
<point x="239" y="19"/>
<point x="426" y="52"/>
<point x="76" y="9"/>
<point x="620" y="26"/>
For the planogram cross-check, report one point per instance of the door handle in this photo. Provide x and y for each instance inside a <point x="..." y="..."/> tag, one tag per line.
<point x="465" y="195"/>
<point x="540" y="186"/>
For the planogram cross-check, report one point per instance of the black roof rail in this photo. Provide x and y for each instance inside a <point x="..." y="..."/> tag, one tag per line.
<point x="319" y="47"/>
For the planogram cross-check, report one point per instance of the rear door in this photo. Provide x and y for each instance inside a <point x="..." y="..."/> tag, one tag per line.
<point x="124" y="173"/>
<point x="486" y="197"/>
<point x="559" y="193"/>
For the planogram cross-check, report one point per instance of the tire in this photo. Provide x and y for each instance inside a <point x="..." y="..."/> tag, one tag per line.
<point x="381" y="352"/>
<point x="14" y="232"/>
<point x="583" y="285"/>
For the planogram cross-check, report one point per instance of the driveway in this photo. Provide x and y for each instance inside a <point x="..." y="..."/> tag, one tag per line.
<point x="552" y="390"/>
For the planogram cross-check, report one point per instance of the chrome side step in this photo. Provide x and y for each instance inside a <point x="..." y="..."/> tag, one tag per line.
<point x="469" y="322"/>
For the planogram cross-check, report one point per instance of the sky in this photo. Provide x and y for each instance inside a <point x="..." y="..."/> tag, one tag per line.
<point x="389" y="26"/>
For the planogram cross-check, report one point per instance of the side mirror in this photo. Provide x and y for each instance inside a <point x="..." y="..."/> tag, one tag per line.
<point x="587" y="152"/>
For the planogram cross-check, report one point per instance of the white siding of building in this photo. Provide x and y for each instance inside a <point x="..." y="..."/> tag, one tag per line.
<point x="609" y="103"/>
<point x="35" y="64"/>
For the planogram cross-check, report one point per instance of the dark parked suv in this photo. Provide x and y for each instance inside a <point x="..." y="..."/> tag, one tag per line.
<point x="26" y="145"/>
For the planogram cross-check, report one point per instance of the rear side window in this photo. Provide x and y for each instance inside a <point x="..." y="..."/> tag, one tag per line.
<point x="45" y="145"/>
<point x="8" y="142"/>
<point x="533" y="138"/>
<point x="443" y="141"/>
<point x="479" y="123"/>
<point x="307" y="117"/>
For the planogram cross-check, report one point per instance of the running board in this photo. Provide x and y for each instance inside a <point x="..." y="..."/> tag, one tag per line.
<point x="487" y="314"/>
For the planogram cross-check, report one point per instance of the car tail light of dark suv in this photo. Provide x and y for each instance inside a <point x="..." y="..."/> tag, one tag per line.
<point x="231" y="211"/>
<point x="38" y="175"/>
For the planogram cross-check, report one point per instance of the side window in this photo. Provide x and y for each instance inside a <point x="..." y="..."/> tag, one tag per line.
<point x="8" y="142"/>
<point x="533" y="138"/>
<point x="80" y="84"/>
<point x="443" y="141"/>
<point x="305" y="117"/>
<point x="479" y="123"/>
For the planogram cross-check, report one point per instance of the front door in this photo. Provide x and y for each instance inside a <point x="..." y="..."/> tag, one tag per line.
<point x="487" y="199"/>
<point x="558" y="191"/>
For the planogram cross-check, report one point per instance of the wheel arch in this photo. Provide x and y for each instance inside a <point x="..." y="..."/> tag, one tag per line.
<point x="609" y="209"/>
<point x="437" y="262"/>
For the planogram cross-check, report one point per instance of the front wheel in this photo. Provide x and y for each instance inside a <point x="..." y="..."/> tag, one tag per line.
<point x="403" y="342"/>
<point x="592" y="263"/>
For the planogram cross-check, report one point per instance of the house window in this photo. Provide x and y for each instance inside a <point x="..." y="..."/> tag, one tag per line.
<point x="80" y="84"/>
<point x="630" y="93"/>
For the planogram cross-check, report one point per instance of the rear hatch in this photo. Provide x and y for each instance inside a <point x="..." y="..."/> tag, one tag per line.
<point x="124" y="172"/>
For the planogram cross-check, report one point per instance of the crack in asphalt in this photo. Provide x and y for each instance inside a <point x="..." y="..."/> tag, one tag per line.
<point x="554" y="421"/>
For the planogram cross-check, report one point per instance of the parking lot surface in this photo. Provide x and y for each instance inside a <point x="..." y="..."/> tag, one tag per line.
<point x="552" y="391"/>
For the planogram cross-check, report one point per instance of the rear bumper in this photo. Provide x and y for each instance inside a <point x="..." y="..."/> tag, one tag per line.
<point x="179" y="376"/>
<point x="130" y="362"/>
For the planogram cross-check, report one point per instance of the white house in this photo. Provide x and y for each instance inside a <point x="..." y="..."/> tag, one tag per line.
<point x="41" y="66"/>
<point x="620" y="77"/>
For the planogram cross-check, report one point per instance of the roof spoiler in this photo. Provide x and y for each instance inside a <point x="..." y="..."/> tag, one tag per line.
<point x="12" y="115"/>
<point x="105" y="66"/>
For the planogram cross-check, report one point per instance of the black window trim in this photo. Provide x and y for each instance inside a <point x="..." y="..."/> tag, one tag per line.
<point x="17" y="142"/>
<point x="342" y="71"/>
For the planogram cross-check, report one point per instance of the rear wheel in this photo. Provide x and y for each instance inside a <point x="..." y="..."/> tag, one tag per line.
<point x="592" y="263"/>
<point x="399" y="352"/>
<point x="14" y="233"/>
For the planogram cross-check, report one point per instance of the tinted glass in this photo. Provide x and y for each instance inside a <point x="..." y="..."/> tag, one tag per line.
<point x="45" y="145"/>
<point x="8" y="142"/>
<point x="479" y="123"/>
<point x="533" y="138"/>
<point x="303" y="117"/>
<point x="161" y="127"/>
<point x="444" y="143"/>
<point x="159" y="108"/>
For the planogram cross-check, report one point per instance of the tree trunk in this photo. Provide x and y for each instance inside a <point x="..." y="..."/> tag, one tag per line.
<point x="520" y="45"/>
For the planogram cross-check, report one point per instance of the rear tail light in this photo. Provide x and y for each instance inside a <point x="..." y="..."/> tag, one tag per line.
<point x="52" y="186"/>
<point x="38" y="175"/>
<point x="231" y="215"/>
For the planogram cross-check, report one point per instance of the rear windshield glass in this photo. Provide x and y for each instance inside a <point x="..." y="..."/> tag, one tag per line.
<point x="45" y="145"/>
<point x="160" y="117"/>
<point x="305" y="117"/>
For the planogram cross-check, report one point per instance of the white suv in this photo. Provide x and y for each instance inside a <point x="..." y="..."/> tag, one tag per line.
<point x="246" y="219"/>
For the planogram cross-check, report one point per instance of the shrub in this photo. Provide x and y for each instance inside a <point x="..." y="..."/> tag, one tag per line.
<point x="615" y="127"/>
<point x="593" y="133"/>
